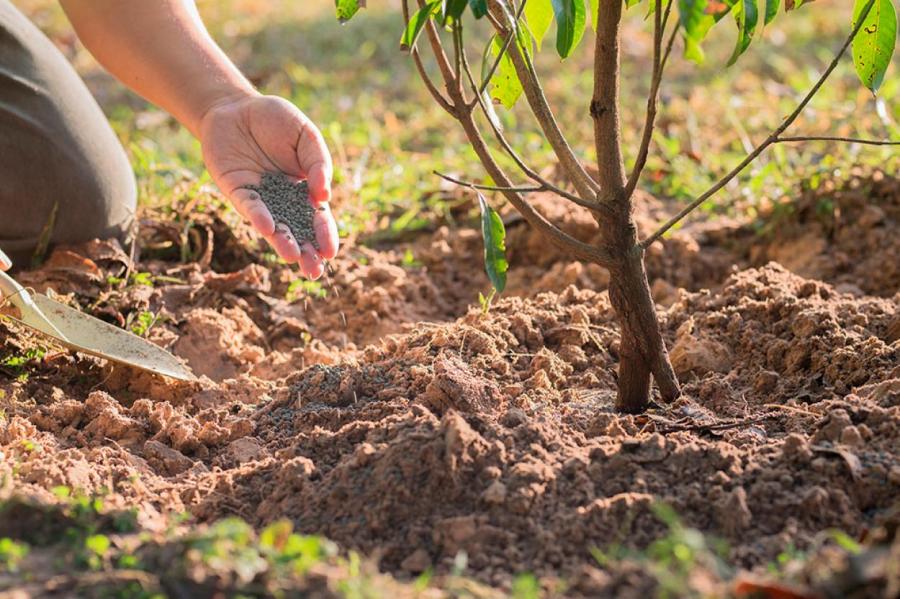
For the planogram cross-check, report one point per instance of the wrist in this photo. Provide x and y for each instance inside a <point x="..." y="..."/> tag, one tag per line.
<point x="220" y="99"/>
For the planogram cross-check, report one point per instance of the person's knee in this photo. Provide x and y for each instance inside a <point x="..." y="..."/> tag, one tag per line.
<point x="63" y="171"/>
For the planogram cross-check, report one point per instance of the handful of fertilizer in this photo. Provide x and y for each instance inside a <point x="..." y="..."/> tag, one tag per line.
<point x="288" y="203"/>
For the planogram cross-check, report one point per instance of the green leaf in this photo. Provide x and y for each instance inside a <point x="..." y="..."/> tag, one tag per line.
<point x="494" y="235"/>
<point x="539" y="16"/>
<point x="874" y="44"/>
<point x="452" y="10"/>
<point x="746" y="15"/>
<point x="697" y="17"/>
<point x="595" y="10"/>
<point x="570" y="21"/>
<point x="696" y="24"/>
<point x="505" y="85"/>
<point x="771" y="10"/>
<point x="416" y="23"/>
<point x="346" y="9"/>
<point x="479" y="8"/>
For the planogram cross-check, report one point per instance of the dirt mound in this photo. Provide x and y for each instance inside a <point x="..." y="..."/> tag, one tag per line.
<point x="494" y="435"/>
<point x="842" y="233"/>
<point x="364" y="410"/>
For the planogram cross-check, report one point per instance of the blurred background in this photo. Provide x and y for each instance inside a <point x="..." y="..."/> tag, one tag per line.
<point x="387" y="136"/>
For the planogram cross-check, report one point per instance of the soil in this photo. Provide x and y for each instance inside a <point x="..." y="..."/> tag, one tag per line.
<point x="396" y="419"/>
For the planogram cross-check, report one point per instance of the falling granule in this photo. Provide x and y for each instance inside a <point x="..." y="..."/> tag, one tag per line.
<point x="288" y="203"/>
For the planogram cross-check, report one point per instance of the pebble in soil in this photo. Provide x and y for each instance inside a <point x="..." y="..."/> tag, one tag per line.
<point x="288" y="203"/>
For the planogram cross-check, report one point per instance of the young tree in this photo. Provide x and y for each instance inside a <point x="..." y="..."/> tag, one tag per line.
<point x="508" y="71"/>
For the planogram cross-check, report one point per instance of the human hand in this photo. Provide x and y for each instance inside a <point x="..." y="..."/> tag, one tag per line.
<point x="246" y="136"/>
<point x="5" y="262"/>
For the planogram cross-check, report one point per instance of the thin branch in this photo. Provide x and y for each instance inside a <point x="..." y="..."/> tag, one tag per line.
<point x="604" y="107"/>
<point x="652" y="98"/>
<point x="498" y="133"/>
<point x="513" y="188"/>
<point x="471" y="185"/>
<point x="851" y="140"/>
<point x="772" y="138"/>
<point x="669" y="45"/>
<point x="423" y="74"/>
<point x="453" y="85"/>
<point x="490" y="74"/>
<point x="537" y="100"/>
<point x="556" y="236"/>
<point x="457" y="55"/>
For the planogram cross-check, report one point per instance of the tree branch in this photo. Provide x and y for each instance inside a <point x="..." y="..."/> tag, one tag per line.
<point x="545" y="185"/>
<point x="574" y="247"/>
<point x="453" y="85"/>
<point x="605" y="103"/>
<point x="771" y="139"/>
<point x="540" y="107"/>
<point x="577" y="249"/>
<point x="423" y="74"/>
<point x="851" y="140"/>
<point x="471" y="185"/>
<point x="652" y="98"/>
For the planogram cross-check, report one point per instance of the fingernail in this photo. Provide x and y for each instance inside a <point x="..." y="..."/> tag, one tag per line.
<point x="5" y="262"/>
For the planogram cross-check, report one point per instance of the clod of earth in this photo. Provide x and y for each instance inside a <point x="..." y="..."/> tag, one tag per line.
<point x="289" y="205"/>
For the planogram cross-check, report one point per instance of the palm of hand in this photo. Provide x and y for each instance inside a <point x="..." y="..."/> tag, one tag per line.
<point x="243" y="139"/>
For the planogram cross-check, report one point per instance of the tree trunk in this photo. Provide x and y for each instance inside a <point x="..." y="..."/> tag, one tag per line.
<point x="642" y="351"/>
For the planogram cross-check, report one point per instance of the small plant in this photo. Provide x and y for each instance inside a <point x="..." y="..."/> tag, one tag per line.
<point x="305" y="288"/>
<point x="11" y="554"/>
<point x="140" y="323"/>
<point x="96" y="547"/>
<point x="508" y="72"/>
<point x="525" y="586"/>
<point x="17" y="363"/>
<point x="673" y="558"/>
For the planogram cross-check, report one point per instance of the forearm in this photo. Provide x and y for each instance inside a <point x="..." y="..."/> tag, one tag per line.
<point x="161" y="50"/>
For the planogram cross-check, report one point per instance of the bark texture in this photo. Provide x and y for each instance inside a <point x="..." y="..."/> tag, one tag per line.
<point x="642" y="350"/>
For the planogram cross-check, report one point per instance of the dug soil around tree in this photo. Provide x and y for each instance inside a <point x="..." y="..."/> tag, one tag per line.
<point x="394" y="419"/>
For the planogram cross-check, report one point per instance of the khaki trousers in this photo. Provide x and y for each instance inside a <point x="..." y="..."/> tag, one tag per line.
<point x="57" y="150"/>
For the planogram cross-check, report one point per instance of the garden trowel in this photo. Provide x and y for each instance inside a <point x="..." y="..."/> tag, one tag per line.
<point x="84" y="333"/>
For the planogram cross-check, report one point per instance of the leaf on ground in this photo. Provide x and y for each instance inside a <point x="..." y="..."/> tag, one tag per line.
<point x="770" y="589"/>
<point x="850" y="458"/>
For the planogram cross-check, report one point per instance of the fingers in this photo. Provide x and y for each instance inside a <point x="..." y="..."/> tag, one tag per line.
<point x="5" y="262"/>
<point x="319" y="179"/>
<point x="326" y="232"/>
<point x="284" y="244"/>
<point x="311" y="262"/>
<point x="251" y="207"/>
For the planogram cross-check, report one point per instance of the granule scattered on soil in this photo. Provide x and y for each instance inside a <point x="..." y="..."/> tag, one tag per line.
<point x="288" y="202"/>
